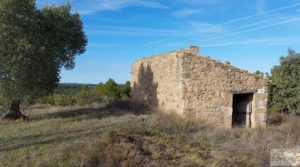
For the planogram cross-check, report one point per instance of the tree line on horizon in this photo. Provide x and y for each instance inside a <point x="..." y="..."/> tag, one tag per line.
<point x="83" y="94"/>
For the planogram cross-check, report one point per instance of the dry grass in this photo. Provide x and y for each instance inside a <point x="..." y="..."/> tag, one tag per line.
<point x="127" y="135"/>
<point x="55" y="136"/>
<point x="146" y="146"/>
<point x="254" y="143"/>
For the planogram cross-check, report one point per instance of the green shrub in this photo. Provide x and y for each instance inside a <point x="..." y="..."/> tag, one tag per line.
<point x="103" y="93"/>
<point x="63" y="100"/>
<point x="49" y="100"/>
<point x="110" y="89"/>
<point x="87" y="96"/>
<point x="112" y="92"/>
<point x="284" y="91"/>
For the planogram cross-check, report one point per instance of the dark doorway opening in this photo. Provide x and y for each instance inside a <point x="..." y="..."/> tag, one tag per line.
<point x="242" y="109"/>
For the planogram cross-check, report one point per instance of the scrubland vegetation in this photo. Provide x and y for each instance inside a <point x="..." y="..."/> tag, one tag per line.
<point x="98" y="125"/>
<point x="84" y="94"/>
<point x="126" y="134"/>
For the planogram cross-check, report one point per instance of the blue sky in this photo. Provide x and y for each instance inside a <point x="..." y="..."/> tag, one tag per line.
<point x="250" y="34"/>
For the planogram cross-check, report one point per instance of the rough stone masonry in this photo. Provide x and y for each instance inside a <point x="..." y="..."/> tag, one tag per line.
<point x="193" y="85"/>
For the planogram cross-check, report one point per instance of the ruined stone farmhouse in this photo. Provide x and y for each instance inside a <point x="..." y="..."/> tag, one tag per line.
<point x="193" y="85"/>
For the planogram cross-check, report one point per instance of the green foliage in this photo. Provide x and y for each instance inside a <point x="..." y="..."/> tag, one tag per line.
<point x="56" y="99"/>
<point x="35" y="44"/>
<point x="111" y="91"/>
<point x="79" y="94"/>
<point x="285" y="88"/>
<point x="125" y="91"/>
<point x="110" y="88"/>
<point x="70" y="88"/>
<point x="87" y="96"/>
<point x="257" y="72"/>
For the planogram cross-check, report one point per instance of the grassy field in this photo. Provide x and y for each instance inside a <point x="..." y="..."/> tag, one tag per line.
<point x="120" y="135"/>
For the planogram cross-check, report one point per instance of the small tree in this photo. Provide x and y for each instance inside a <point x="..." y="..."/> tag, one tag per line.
<point x="125" y="90"/>
<point x="257" y="72"/>
<point x="285" y="88"/>
<point x="34" y="46"/>
<point x="87" y="95"/>
<point x="109" y="90"/>
<point x="100" y="89"/>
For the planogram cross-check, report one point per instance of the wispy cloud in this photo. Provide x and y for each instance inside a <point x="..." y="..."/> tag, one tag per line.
<point x="86" y="7"/>
<point x="42" y="3"/>
<point x="193" y="7"/>
<point x="195" y="29"/>
<point x="256" y="28"/>
<point x="261" y="14"/>
<point x="130" y="31"/>
<point x="235" y="21"/>
<point x="261" y="6"/>
<point x="200" y="2"/>
<point x="186" y="12"/>
<point x="266" y="42"/>
<point x="95" y="6"/>
<point x="100" y="45"/>
<point x="202" y="27"/>
<point x="101" y="19"/>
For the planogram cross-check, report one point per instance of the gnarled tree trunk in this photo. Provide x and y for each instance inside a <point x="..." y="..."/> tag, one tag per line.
<point x="15" y="112"/>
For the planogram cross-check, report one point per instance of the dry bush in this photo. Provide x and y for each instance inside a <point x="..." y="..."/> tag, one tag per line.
<point x="292" y="127"/>
<point x="130" y="106"/>
<point x="174" y="123"/>
<point x="144" y="146"/>
<point x="255" y="143"/>
<point x="164" y="137"/>
<point x="126" y="147"/>
<point x="276" y="119"/>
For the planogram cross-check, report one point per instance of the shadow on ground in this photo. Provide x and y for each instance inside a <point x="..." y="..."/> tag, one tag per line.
<point x="69" y="135"/>
<point x="44" y="139"/>
<point x="115" y="109"/>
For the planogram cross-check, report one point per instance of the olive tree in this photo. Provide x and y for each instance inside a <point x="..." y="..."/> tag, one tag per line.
<point x="35" y="44"/>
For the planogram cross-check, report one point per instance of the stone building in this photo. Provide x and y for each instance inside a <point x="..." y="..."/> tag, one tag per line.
<point x="193" y="85"/>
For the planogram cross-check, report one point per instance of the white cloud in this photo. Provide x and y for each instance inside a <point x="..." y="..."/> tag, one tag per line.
<point x="42" y="3"/>
<point x="186" y="12"/>
<point x="194" y="7"/>
<point x="195" y="28"/>
<point x="94" y="6"/>
<point x="116" y="5"/>
<point x="101" y="18"/>
<point x="261" y="6"/>
<point x="232" y="33"/>
<point x="264" y="41"/>
<point x="101" y="45"/>
<point x="235" y="43"/>
<point x="130" y="31"/>
<point x="200" y="2"/>
<point x="202" y="27"/>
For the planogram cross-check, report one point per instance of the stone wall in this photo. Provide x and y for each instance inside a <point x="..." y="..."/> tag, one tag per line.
<point x="194" y="85"/>
<point x="155" y="81"/>
<point x="209" y="89"/>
